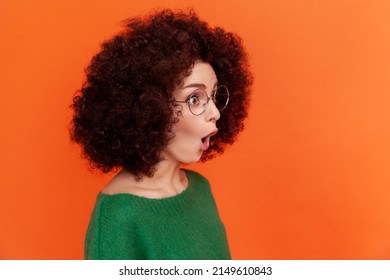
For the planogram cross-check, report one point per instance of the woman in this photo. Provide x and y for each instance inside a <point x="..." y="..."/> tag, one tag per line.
<point x="168" y="90"/>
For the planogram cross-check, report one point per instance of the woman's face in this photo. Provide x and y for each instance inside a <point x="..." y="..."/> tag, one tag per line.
<point x="193" y="133"/>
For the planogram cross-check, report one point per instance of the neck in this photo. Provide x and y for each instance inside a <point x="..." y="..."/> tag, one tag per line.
<point x="168" y="180"/>
<point x="165" y="175"/>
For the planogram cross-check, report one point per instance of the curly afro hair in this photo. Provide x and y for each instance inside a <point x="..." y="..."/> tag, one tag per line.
<point x="124" y="112"/>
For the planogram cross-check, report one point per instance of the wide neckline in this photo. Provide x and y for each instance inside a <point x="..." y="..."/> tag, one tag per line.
<point x="168" y="205"/>
<point x="190" y="179"/>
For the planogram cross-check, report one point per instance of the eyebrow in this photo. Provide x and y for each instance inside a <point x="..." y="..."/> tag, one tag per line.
<point x="197" y="85"/>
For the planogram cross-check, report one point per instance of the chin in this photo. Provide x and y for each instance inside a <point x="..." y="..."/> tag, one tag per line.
<point x="192" y="160"/>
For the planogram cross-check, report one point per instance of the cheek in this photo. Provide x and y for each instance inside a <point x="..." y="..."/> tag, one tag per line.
<point x="186" y="146"/>
<point x="185" y="135"/>
<point x="187" y="125"/>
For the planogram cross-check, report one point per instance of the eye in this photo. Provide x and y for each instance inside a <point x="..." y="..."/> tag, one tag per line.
<point x="193" y="100"/>
<point x="196" y="98"/>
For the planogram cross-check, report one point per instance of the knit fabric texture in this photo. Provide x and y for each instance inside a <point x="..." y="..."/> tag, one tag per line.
<point x="182" y="227"/>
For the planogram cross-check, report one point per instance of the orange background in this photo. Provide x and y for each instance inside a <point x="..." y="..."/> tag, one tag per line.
<point x="308" y="179"/>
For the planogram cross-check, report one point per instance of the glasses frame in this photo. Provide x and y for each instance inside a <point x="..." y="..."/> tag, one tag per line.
<point x="213" y="97"/>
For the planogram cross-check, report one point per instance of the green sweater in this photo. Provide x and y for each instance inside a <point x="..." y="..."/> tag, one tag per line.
<point x="185" y="226"/>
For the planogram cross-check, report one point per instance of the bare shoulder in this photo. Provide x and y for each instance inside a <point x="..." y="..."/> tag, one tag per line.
<point x="122" y="182"/>
<point x="126" y="183"/>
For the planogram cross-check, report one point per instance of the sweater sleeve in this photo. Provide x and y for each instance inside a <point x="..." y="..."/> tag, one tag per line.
<point x="111" y="233"/>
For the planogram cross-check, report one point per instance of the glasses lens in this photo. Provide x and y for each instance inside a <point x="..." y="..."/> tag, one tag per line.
<point x="198" y="102"/>
<point x="221" y="98"/>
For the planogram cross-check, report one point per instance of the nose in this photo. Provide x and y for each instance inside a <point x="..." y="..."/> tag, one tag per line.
<point x="212" y="111"/>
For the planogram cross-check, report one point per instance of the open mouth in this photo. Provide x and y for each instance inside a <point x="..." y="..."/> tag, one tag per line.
<point x="206" y="140"/>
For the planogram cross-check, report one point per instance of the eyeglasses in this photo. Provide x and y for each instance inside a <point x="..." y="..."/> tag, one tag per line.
<point x="199" y="100"/>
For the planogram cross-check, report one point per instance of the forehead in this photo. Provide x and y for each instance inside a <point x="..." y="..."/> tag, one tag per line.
<point x="202" y="73"/>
